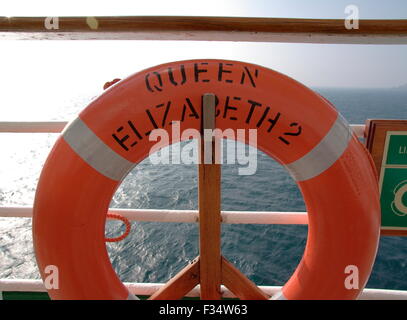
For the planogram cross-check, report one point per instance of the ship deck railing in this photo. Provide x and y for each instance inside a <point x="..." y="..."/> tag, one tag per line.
<point x="16" y="286"/>
<point x="329" y="31"/>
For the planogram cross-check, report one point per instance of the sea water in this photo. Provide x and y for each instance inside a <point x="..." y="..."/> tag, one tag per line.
<point x="154" y="252"/>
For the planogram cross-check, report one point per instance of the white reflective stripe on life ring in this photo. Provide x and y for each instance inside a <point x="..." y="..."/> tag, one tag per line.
<point x="325" y="153"/>
<point x="107" y="162"/>
<point x="95" y="152"/>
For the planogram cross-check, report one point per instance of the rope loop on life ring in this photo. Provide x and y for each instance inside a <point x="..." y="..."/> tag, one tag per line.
<point x="127" y="224"/>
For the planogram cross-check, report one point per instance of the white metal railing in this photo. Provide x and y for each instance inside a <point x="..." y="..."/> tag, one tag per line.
<point x="147" y="289"/>
<point x="186" y="216"/>
<point x="249" y="217"/>
<point x="32" y="126"/>
<point x="58" y="126"/>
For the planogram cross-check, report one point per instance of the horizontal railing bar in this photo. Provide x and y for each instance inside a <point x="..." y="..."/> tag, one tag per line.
<point x="184" y="216"/>
<point x="58" y="126"/>
<point x="358" y="129"/>
<point x="32" y="126"/>
<point x="204" y="28"/>
<point x="147" y="289"/>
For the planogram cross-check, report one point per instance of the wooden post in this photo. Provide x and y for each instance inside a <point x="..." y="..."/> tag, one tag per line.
<point x="180" y="285"/>
<point x="209" y="209"/>
<point x="241" y="286"/>
<point x="210" y="269"/>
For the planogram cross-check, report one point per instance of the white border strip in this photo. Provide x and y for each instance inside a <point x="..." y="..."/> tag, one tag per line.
<point x="186" y="216"/>
<point x="58" y="126"/>
<point x="147" y="289"/>
<point x="196" y="35"/>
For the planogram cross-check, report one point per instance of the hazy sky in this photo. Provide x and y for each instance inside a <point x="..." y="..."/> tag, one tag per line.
<point x="39" y="73"/>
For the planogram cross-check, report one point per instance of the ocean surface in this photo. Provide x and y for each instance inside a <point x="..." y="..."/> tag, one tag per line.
<point x="154" y="252"/>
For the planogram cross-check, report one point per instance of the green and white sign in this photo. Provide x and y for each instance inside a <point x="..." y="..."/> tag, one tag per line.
<point x="393" y="181"/>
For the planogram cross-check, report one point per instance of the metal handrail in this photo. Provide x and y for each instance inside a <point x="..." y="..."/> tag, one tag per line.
<point x="152" y="215"/>
<point x="147" y="289"/>
<point x="183" y="216"/>
<point x="205" y="29"/>
<point x="58" y="126"/>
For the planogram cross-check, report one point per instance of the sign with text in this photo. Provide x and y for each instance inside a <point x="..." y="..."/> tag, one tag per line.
<point x="386" y="142"/>
<point x="393" y="181"/>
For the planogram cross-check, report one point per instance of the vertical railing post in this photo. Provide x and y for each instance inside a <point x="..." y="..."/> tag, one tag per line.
<point x="209" y="206"/>
<point x="210" y="269"/>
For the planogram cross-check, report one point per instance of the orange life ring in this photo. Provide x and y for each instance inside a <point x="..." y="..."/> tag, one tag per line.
<point x="295" y="126"/>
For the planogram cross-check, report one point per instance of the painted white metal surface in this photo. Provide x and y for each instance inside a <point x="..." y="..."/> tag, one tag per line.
<point x="32" y="126"/>
<point x="58" y="126"/>
<point x="358" y="129"/>
<point x="147" y="289"/>
<point x="237" y="36"/>
<point x="186" y="216"/>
